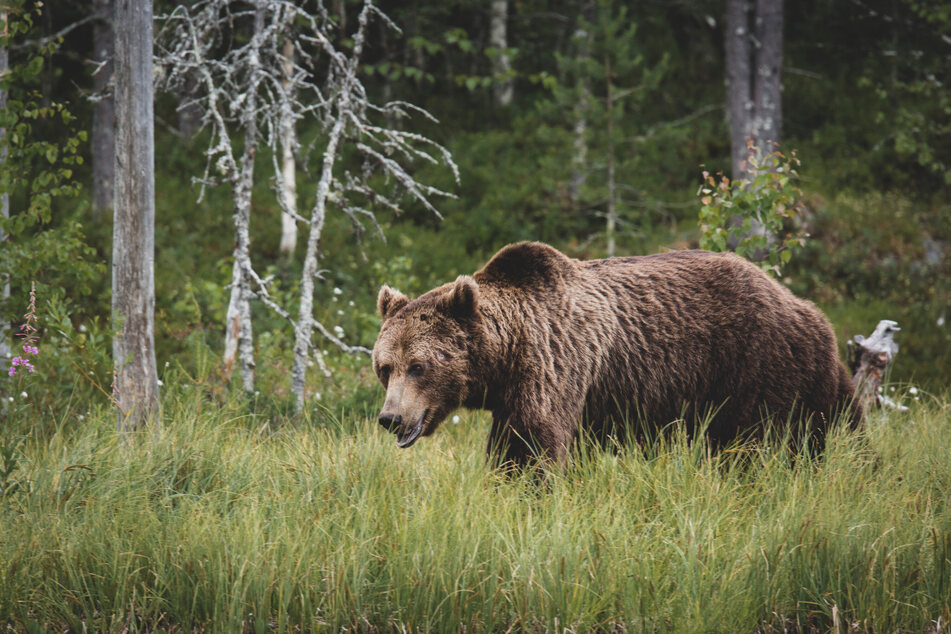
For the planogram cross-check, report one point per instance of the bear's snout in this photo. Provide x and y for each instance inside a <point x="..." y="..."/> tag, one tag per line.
<point x="390" y="421"/>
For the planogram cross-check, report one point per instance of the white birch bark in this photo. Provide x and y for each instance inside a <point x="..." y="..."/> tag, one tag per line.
<point x="288" y="164"/>
<point x="504" y="88"/>
<point x="133" y="292"/>
<point x="238" y="336"/>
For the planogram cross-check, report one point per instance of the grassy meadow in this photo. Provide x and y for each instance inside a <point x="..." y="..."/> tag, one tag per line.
<point x="220" y="520"/>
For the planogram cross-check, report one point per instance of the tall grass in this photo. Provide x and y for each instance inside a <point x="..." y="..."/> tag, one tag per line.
<point x="215" y="521"/>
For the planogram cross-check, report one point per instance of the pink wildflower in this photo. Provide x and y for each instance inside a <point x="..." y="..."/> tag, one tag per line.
<point x="28" y="332"/>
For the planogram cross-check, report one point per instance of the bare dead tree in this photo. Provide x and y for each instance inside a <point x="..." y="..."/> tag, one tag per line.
<point x="133" y="242"/>
<point x="255" y="87"/>
<point x="350" y="116"/>
<point x="228" y="93"/>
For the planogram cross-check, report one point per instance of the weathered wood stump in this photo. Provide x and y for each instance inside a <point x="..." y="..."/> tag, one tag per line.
<point x="869" y="361"/>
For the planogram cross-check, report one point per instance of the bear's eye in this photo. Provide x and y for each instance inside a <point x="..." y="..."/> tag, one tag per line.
<point x="384" y="372"/>
<point x="416" y="369"/>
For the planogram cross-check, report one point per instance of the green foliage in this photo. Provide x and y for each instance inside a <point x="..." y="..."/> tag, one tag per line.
<point x="751" y="215"/>
<point x="41" y="151"/>
<point x="216" y="519"/>
<point x="880" y="256"/>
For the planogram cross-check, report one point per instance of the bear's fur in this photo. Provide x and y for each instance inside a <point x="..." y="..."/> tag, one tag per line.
<point x="548" y="343"/>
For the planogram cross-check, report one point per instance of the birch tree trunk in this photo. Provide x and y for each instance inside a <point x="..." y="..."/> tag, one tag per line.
<point x="133" y="292"/>
<point x="6" y="349"/>
<point x="288" y="164"/>
<point x="501" y="64"/>
<point x="103" y="113"/>
<point x="239" y="341"/>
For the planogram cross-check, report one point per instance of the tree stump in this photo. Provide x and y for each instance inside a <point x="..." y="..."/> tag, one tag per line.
<point x="869" y="361"/>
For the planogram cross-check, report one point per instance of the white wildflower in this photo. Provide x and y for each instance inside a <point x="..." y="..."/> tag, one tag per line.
<point x="912" y="390"/>
<point x="940" y="321"/>
<point x="351" y="304"/>
<point x="339" y="312"/>
<point x="337" y="291"/>
<point x="10" y="398"/>
<point x="160" y="384"/>
<point x="23" y="395"/>
<point x="310" y="363"/>
<point x="338" y="331"/>
<point x="455" y="418"/>
<point x="82" y="327"/>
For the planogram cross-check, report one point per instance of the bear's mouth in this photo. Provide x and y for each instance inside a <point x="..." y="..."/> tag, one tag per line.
<point x="407" y="439"/>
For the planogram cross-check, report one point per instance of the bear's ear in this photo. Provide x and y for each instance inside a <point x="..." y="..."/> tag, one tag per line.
<point x="389" y="301"/>
<point x="462" y="300"/>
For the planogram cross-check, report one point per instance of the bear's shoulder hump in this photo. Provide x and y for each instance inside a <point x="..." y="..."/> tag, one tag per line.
<point x="526" y="263"/>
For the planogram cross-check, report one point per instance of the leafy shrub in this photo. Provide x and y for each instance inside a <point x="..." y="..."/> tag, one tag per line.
<point x="750" y="215"/>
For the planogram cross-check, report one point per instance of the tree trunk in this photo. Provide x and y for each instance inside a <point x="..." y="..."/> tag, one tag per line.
<point x="754" y="79"/>
<point x="739" y="100"/>
<point x="288" y="165"/>
<point x="6" y="349"/>
<point x="579" y="159"/>
<point x="103" y="114"/>
<point x="768" y="86"/>
<point x="501" y="64"/>
<point x="239" y="339"/>
<point x="305" y="319"/>
<point x="133" y="292"/>
<point x="612" y="185"/>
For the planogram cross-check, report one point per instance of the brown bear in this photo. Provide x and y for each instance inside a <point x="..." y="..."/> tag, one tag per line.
<point x="550" y="344"/>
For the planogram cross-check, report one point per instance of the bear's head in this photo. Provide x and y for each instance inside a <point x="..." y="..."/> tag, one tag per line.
<point x="423" y="356"/>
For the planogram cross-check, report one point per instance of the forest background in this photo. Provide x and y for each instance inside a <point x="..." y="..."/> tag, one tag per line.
<point x="582" y="111"/>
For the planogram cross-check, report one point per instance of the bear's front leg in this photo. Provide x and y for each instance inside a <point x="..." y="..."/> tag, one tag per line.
<point x="519" y="441"/>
